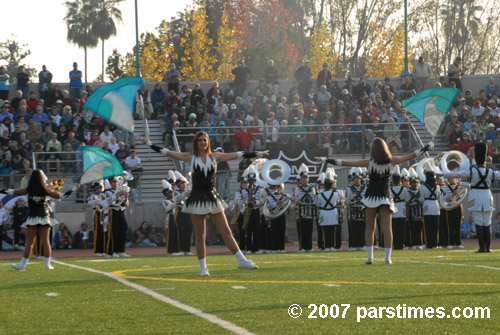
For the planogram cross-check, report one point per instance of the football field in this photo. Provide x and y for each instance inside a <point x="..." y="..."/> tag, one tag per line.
<point x="422" y="292"/>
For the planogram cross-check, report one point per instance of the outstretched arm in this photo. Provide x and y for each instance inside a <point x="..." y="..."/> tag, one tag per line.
<point x="341" y="162"/>
<point x="181" y="156"/>
<point x="10" y="191"/>
<point x="223" y="157"/>
<point x="419" y="152"/>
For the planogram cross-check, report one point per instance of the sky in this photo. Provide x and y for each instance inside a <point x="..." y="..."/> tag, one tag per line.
<point x="40" y="25"/>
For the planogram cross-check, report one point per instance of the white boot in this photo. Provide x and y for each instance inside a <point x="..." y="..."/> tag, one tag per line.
<point x="47" y="264"/>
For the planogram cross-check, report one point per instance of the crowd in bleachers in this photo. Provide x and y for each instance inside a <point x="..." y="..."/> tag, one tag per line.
<point x="53" y="124"/>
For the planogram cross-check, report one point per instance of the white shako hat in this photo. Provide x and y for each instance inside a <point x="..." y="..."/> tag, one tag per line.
<point x="404" y="174"/>
<point x="321" y="178"/>
<point x="303" y="170"/>
<point x="396" y="171"/>
<point x="171" y="177"/>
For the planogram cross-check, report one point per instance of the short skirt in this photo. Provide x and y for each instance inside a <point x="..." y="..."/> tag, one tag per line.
<point x="204" y="202"/>
<point x="377" y="201"/>
<point x="39" y="220"/>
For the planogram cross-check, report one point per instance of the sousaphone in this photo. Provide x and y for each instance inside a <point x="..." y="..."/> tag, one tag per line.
<point x="276" y="172"/>
<point x="453" y="161"/>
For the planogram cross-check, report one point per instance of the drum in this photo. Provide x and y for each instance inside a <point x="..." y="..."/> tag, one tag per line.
<point x="415" y="212"/>
<point x="356" y="212"/>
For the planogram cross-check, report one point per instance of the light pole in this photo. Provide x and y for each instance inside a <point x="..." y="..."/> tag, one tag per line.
<point x="406" y="70"/>
<point x="137" y="53"/>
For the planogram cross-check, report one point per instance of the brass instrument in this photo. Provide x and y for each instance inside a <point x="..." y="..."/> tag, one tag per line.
<point x="450" y="162"/>
<point x="283" y="205"/>
<point x="122" y="186"/>
<point x="57" y="184"/>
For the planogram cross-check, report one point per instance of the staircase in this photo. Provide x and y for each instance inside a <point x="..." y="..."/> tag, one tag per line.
<point x="155" y="165"/>
<point x="440" y="143"/>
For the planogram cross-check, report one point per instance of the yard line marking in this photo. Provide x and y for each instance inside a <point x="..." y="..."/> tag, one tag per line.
<point x="52" y="294"/>
<point x="453" y="264"/>
<point x="155" y="289"/>
<point x="239" y="287"/>
<point x="209" y="317"/>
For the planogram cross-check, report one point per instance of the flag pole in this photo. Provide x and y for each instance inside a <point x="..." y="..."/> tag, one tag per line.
<point x="137" y="53"/>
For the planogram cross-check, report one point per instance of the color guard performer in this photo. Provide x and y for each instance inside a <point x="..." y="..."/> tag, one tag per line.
<point x="356" y="211"/>
<point x="399" y="217"/>
<point x="305" y="199"/>
<point x="99" y="234"/>
<point x="430" y="194"/>
<point x="414" y="212"/>
<point x="481" y="202"/>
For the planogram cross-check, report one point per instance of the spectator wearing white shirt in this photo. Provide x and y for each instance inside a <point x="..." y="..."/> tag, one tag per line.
<point x="113" y="146"/>
<point x="477" y="110"/>
<point x="106" y="134"/>
<point x="133" y="163"/>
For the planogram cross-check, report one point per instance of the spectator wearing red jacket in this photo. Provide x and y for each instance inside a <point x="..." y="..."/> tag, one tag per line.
<point x="465" y="143"/>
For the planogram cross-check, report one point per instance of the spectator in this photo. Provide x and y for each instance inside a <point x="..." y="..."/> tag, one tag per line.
<point x="16" y="170"/>
<point x="67" y="116"/>
<point x="172" y="78"/>
<point x="69" y="159"/>
<point x="4" y="83"/>
<point x="496" y="226"/>
<point x="421" y="74"/>
<point x="72" y="141"/>
<point x="39" y="116"/>
<point x="303" y="75"/>
<point x="407" y="90"/>
<point x="491" y="88"/>
<point x="362" y="89"/>
<point x="141" y="236"/>
<point x="63" y="238"/>
<point x="113" y="146"/>
<point x="75" y="82"/>
<point x="44" y="82"/>
<point x="6" y="112"/>
<point x="271" y="77"/>
<point x="491" y="133"/>
<point x="158" y="97"/>
<point x="455" y="72"/>
<point x="7" y="125"/>
<point x="146" y="108"/>
<point x="122" y="153"/>
<point x="122" y="136"/>
<point x="34" y="131"/>
<point x="392" y="136"/>
<point x="84" y="237"/>
<point x="14" y="103"/>
<point x="465" y="143"/>
<point x="223" y="175"/>
<point x="24" y="143"/>
<point x="451" y="125"/>
<point x="54" y="146"/>
<point x="455" y="137"/>
<point x="241" y="77"/>
<point x="483" y="125"/>
<point x="133" y="163"/>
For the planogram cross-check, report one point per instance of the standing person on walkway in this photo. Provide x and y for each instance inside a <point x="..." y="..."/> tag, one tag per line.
<point x="173" y="78"/>
<point x="204" y="199"/>
<point x="39" y="220"/>
<point x="75" y="83"/>
<point x="421" y="74"/>
<point x="378" y="198"/>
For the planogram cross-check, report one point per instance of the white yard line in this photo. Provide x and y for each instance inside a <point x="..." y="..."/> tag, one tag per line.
<point x="209" y="317"/>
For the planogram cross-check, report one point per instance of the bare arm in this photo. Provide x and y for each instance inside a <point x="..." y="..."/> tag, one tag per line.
<point x="341" y="162"/>
<point x="223" y="157"/>
<point x="21" y="191"/>
<point x="181" y="156"/>
<point x="401" y="159"/>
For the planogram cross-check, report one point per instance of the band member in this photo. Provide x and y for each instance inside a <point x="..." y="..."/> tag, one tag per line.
<point x="99" y="234"/>
<point x="398" y="218"/>
<point x="117" y="202"/>
<point x="430" y="194"/>
<point x="444" y="231"/>
<point x="480" y="202"/>
<point x="330" y="203"/>
<point x="378" y="198"/>
<point x="453" y="216"/>
<point x="305" y="199"/>
<point x="278" y="224"/>
<point x="238" y="213"/>
<point x="170" y="206"/>
<point x="183" y="220"/>
<point x="356" y="211"/>
<point x="414" y="212"/>
<point x="39" y="220"/>
<point x="204" y="199"/>
<point x="265" y="231"/>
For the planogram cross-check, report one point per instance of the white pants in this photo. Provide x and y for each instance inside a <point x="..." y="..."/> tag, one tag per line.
<point x="482" y="218"/>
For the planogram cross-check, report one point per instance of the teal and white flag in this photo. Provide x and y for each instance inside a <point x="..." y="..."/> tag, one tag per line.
<point x="430" y="106"/>
<point x="98" y="164"/>
<point x="115" y="102"/>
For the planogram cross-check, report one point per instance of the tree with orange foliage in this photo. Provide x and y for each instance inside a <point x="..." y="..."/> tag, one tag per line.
<point x="385" y="56"/>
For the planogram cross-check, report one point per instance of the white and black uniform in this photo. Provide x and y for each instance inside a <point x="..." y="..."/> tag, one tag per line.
<point x="204" y="198"/>
<point x="278" y="224"/>
<point x="329" y="204"/>
<point x="237" y="204"/>
<point x="99" y="234"/>
<point x="415" y="216"/>
<point x="253" y="230"/>
<point x="399" y="217"/>
<point x="378" y="192"/>
<point x="118" y="225"/>
<point x="183" y="221"/>
<point x="357" y="216"/>
<point x="453" y="220"/>
<point x="172" y="239"/>
<point x="307" y="213"/>
<point x="429" y="197"/>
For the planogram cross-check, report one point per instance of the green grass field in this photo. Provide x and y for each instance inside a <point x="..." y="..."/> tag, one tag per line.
<point x="71" y="300"/>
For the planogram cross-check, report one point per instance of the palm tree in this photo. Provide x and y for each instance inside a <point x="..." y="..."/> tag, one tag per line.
<point x="78" y="20"/>
<point x="103" y="21"/>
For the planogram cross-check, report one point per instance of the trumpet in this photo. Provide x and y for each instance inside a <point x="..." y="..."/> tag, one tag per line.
<point x="57" y="184"/>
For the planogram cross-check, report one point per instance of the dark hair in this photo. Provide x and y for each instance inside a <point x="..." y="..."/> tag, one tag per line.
<point x="430" y="178"/>
<point x="36" y="186"/>
<point x="380" y="151"/>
